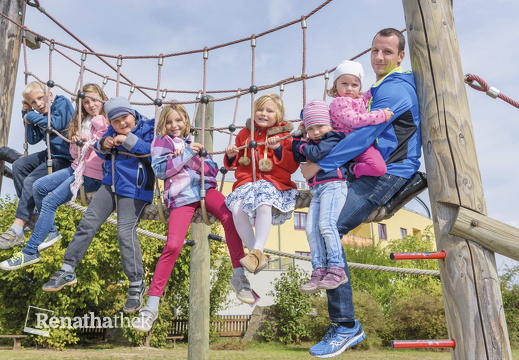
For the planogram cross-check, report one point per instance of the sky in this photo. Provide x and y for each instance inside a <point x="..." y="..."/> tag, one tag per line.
<point x="486" y="33"/>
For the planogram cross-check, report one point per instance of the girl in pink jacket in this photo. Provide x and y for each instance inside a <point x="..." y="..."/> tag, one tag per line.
<point x="348" y="111"/>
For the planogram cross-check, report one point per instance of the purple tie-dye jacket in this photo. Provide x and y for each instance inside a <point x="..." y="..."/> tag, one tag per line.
<point x="181" y="174"/>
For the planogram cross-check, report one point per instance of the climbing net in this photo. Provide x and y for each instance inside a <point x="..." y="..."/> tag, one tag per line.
<point x="159" y="95"/>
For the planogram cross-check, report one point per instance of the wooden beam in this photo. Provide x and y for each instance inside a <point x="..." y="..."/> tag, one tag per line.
<point x="491" y="234"/>
<point x="11" y="36"/>
<point x="198" y="331"/>
<point x="470" y="283"/>
<point x="32" y="41"/>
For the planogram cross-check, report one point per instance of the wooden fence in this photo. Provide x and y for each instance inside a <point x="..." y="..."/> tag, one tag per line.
<point x="224" y="325"/>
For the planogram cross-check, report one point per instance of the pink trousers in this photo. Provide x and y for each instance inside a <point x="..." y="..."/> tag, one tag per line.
<point x="370" y="163"/>
<point x="179" y="221"/>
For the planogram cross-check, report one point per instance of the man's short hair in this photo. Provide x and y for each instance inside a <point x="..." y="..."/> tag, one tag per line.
<point x="387" y="32"/>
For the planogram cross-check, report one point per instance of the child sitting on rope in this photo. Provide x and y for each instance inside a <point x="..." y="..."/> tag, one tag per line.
<point x="348" y="111"/>
<point x="329" y="190"/>
<point x="39" y="107"/>
<point x="176" y="160"/>
<point x="127" y="186"/>
<point x="264" y="166"/>
<point x="88" y="126"/>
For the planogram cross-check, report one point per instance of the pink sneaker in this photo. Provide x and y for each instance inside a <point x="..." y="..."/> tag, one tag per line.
<point x="334" y="277"/>
<point x="311" y="286"/>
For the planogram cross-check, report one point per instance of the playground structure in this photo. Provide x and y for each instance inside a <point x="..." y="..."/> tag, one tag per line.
<point x="475" y="317"/>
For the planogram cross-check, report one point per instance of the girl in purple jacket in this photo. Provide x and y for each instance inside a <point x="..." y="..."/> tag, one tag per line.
<point x="175" y="159"/>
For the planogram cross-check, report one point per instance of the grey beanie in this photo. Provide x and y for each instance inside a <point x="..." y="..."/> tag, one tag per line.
<point x="118" y="106"/>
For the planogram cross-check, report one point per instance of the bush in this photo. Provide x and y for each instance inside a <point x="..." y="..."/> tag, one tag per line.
<point x="291" y="307"/>
<point x="102" y="285"/>
<point x="419" y="315"/>
<point x="510" y="293"/>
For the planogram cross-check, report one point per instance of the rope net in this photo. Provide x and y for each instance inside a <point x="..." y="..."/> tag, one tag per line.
<point x="160" y="94"/>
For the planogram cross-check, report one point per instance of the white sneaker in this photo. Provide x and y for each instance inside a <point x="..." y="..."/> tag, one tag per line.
<point x="243" y="290"/>
<point x="144" y="321"/>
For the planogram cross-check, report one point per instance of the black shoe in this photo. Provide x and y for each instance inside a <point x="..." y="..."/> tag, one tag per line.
<point x="135" y="298"/>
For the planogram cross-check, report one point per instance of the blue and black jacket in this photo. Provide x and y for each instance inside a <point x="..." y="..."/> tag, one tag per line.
<point x="399" y="140"/>
<point x="133" y="176"/>
<point x="316" y="150"/>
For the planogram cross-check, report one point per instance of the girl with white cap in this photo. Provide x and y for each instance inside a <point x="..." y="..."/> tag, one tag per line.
<point x="348" y="111"/>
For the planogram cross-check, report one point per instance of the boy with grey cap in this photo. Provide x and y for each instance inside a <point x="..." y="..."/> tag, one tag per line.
<point x="128" y="184"/>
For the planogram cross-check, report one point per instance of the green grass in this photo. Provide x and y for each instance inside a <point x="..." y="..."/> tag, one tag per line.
<point x="220" y="351"/>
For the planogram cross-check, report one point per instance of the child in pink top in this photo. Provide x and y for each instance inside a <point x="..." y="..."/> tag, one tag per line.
<point x="348" y="111"/>
<point x="53" y="190"/>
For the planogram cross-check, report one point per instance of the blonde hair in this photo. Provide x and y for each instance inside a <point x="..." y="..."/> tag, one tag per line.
<point x="280" y="107"/>
<point x="32" y="86"/>
<point x="333" y="91"/>
<point x="87" y="88"/>
<point x="166" y="111"/>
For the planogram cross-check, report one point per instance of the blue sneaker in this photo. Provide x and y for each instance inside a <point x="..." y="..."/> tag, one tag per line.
<point x="337" y="339"/>
<point x="19" y="260"/>
<point x="52" y="238"/>
<point x="60" y="279"/>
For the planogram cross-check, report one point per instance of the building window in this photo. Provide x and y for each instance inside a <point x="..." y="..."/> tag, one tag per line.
<point x="303" y="253"/>
<point x="382" y="231"/>
<point x="403" y="233"/>
<point x="299" y="220"/>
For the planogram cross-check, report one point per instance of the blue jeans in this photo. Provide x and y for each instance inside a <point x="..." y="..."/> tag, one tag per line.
<point x="321" y="225"/>
<point x="50" y="192"/>
<point x="26" y="170"/>
<point x="364" y="195"/>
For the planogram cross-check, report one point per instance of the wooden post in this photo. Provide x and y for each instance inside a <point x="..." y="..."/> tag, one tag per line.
<point x="10" y="40"/>
<point x="473" y="302"/>
<point x="198" y="333"/>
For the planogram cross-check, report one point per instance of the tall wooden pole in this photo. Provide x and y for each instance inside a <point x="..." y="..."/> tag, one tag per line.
<point x="10" y="40"/>
<point x="198" y="331"/>
<point x="473" y="302"/>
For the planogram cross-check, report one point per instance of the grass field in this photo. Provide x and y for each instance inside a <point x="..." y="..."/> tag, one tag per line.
<point x="245" y="352"/>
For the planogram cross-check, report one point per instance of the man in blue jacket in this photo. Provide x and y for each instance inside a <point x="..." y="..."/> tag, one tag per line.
<point x="399" y="142"/>
<point x="37" y="104"/>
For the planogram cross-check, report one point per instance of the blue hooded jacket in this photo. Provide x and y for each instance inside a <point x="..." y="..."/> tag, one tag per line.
<point x="61" y="112"/>
<point x="315" y="150"/>
<point x="133" y="176"/>
<point x="399" y="140"/>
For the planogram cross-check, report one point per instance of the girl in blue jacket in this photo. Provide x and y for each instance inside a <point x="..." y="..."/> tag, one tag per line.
<point x="128" y="184"/>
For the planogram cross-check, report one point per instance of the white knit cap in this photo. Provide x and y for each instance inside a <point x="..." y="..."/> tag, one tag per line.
<point x="349" y="67"/>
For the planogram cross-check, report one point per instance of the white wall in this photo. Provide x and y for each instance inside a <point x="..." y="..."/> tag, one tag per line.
<point x="262" y="283"/>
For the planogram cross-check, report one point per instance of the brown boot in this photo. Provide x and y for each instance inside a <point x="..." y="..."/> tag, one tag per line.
<point x="255" y="261"/>
<point x="263" y="262"/>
